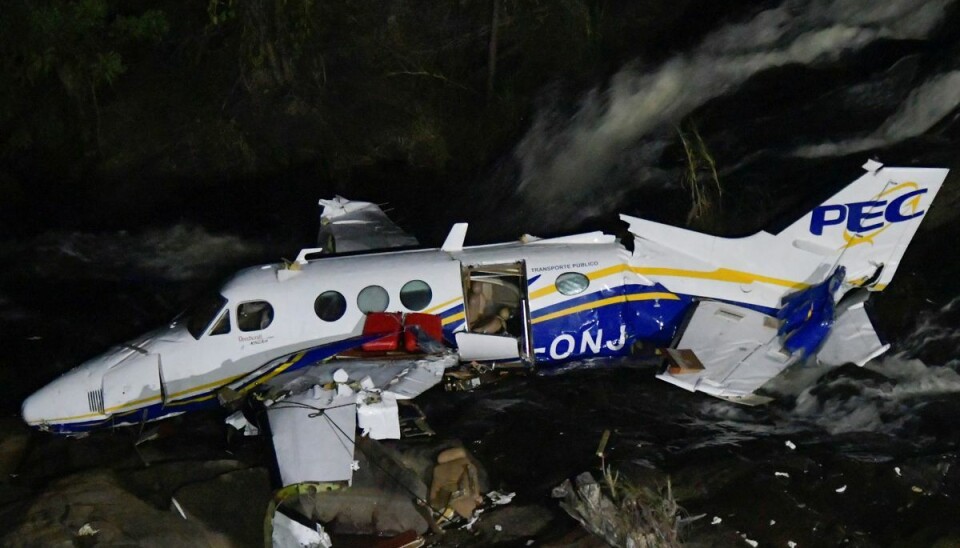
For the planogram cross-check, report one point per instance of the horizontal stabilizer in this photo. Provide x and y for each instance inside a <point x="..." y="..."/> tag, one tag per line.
<point x="727" y="351"/>
<point x="853" y="338"/>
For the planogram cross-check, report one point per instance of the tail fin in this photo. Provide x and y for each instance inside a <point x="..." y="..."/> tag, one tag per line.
<point x="868" y="225"/>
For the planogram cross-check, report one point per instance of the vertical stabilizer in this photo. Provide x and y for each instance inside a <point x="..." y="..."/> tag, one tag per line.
<point x="869" y="223"/>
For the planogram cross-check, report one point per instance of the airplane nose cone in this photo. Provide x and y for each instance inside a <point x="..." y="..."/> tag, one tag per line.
<point x="67" y="399"/>
<point x="36" y="409"/>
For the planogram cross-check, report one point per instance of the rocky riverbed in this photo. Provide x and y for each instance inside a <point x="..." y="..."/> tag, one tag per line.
<point x="768" y="475"/>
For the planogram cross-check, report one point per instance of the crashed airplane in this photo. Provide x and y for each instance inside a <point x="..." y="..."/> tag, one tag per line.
<point x="350" y="329"/>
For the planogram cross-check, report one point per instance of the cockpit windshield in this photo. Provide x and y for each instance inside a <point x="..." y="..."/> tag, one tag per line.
<point x="199" y="316"/>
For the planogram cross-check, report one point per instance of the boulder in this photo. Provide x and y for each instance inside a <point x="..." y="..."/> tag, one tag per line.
<point x="93" y="508"/>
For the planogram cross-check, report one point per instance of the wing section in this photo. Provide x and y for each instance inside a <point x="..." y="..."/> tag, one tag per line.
<point x="314" y="413"/>
<point x="347" y="226"/>
<point x="730" y="351"/>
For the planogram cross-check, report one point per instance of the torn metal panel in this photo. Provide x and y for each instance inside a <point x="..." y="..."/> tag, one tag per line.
<point x="290" y="533"/>
<point x="313" y="436"/>
<point x="314" y="413"/>
<point x="726" y="351"/>
<point x="853" y="338"/>
<point x="379" y="418"/>
<point x="348" y="226"/>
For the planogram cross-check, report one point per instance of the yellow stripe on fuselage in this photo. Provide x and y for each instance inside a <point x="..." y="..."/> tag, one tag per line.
<point x="135" y="404"/>
<point x="456" y="317"/>
<point x="550" y="289"/>
<point x="605" y="302"/>
<point x="720" y="275"/>
<point x="445" y="304"/>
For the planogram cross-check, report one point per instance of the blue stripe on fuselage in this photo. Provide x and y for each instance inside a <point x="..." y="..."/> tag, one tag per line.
<point x="608" y="329"/>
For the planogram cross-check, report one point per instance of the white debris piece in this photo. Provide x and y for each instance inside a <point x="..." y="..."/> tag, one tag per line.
<point x="716" y="520"/>
<point x="355" y="465"/>
<point x="87" y="530"/>
<point x="792" y="446"/>
<point x="473" y="519"/>
<point x="773" y="522"/>
<point x="791" y="544"/>
<point x="240" y="422"/>
<point x="781" y="474"/>
<point x="288" y="533"/>
<point x="340" y="376"/>
<point x="498" y="527"/>
<point x="379" y="418"/>
<point x="178" y="508"/>
<point x="842" y="489"/>
<point x="499" y="499"/>
<point x="897" y="470"/>
<point x="367" y="384"/>
<point x="749" y="541"/>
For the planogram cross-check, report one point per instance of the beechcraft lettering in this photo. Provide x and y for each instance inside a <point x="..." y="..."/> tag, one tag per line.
<point x="727" y="314"/>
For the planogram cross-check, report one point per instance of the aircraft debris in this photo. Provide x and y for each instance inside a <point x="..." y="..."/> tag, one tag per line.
<point x="240" y="422"/>
<point x="781" y="474"/>
<point x="716" y="520"/>
<point x="87" y="530"/>
<point x="290" y="533"/>
<point x="498" y="499"/>
<point x="790" y="445"/>
<point x="841" y="489"/>
<point x="455" y="484"/>
<point x="897" y="470"/>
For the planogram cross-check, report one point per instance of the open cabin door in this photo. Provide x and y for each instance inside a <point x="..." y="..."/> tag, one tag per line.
<point x="497" y="313"/>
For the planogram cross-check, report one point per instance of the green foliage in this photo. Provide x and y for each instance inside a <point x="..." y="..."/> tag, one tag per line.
<point x="701" y="179"/>
<point x="75" y="47"/>
<point x="647" y="517"/>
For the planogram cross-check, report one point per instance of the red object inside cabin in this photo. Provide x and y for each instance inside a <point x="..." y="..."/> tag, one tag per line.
<point x="428" y="324"/>
<point x="390" y="324"/>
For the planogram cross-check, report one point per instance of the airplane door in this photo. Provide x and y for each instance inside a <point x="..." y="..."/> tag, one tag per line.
<point x="496" y="308"/>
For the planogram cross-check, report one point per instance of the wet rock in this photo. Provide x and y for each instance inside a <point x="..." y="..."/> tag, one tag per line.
<point x="14" y="436"/>
<point x="511" y="524"/>
<point x="382" y="499"/>
<point x="232" y="503"/>
<point x="158" y="482"/>
<point x="57" y="515"/>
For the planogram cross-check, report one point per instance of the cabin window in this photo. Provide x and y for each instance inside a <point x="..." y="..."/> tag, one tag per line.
<point x="373" y="298"/>
<point x="572" y="283"/>
<point x="200" y="315"/>
<point x="330" y="306"/>
<point x="416" y="295"/>
<point x="254" y="315"/>
<point x="223" y="324"/>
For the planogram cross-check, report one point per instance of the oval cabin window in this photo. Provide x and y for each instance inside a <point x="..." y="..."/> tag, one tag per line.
<point x="254" y="315"/>
<point x="373" y="299"/>
<point x="416" y="295"/>
<point x="572" y="283"/>
<point x="330" y="306"/>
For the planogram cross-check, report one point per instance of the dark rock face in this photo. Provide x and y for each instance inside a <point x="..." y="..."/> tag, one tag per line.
<point x="57" y="515"/>
<point x="233" y="504"/>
